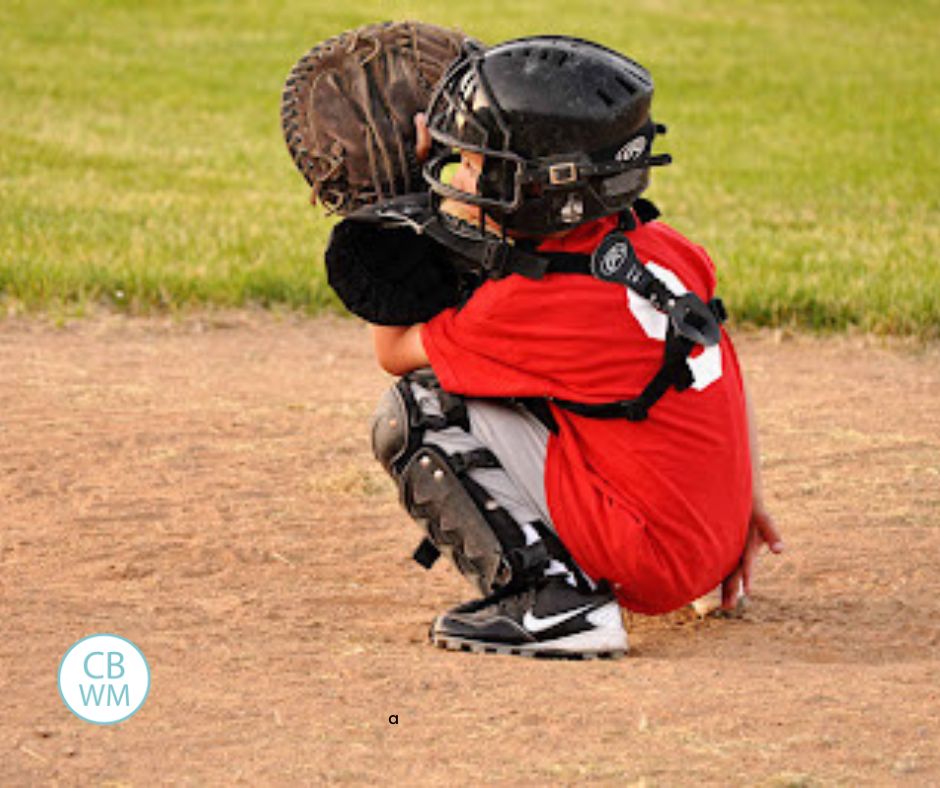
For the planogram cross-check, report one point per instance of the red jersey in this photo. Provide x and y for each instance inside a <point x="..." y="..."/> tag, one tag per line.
<point x="659" y="508"/>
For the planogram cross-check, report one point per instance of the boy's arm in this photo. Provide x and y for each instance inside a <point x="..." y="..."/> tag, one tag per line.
<point x="399" y="349"/>
<point x="762" y="529"/>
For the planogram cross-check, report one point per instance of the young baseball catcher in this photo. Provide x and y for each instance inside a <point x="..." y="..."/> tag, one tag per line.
<point x="571" y="426"/>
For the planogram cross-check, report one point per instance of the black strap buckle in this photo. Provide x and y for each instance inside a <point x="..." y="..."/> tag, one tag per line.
<point x="528" y="561"/>
<point x="693" y="319"/>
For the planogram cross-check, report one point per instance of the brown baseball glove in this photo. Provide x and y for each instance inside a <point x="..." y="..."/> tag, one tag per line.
<point x="348" y="108"/>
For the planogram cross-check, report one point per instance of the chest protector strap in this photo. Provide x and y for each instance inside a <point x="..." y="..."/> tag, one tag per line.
<point x="674" y="372"/>
<point x="691" y="322"/>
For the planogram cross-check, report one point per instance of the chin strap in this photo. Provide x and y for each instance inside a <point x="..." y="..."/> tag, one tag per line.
<point x="493" y="256"/>
<point x="496" y="257"/>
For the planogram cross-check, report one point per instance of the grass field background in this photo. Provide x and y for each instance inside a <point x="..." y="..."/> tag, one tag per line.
<point x="142" y="164"/>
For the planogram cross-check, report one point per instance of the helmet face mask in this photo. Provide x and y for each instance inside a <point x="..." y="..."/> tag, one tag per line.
<point x="492" y="193"/>
<point x="563" y="126"/>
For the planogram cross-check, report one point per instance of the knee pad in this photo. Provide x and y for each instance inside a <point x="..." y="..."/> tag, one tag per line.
<point x="390" y="429"/>
<point x="399" y="423"/>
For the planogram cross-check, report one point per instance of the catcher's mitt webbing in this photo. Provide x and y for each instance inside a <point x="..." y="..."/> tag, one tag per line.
<point x="348" y="110"/>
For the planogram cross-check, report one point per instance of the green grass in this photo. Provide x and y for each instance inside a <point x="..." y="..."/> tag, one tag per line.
<point x="142" y="165"/>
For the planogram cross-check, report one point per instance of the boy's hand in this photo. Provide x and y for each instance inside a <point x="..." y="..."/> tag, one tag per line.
<point x="762" y="531"/>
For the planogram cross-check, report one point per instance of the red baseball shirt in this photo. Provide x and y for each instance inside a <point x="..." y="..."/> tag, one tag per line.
<point x="659" y="508"/>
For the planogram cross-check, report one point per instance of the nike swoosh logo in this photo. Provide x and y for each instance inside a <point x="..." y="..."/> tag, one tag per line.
<point x="535" y="624"/>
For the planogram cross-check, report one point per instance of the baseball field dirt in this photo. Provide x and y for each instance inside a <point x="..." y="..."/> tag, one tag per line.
<point x="204" y="487"/>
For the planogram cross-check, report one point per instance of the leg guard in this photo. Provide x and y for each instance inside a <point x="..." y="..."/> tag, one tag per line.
<point x="421" y="436"/>
<point x="485" y="543"/>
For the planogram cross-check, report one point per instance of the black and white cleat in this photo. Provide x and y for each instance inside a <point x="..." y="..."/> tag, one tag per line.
<point x="551" y="620"/>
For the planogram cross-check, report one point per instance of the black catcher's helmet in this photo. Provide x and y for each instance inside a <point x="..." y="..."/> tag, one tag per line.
<point x="563" y="124"/>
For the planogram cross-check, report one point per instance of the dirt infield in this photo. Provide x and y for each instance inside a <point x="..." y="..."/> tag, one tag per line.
<point x="205" y="489"/>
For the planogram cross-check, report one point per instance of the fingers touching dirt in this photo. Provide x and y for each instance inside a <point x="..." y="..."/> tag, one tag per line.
<point x="763" y="530"/>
